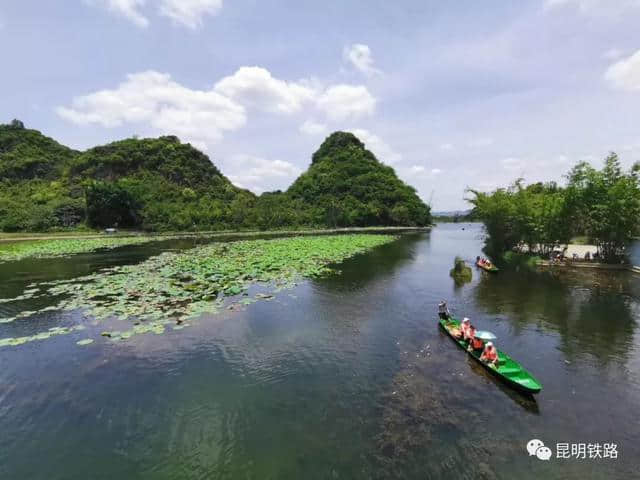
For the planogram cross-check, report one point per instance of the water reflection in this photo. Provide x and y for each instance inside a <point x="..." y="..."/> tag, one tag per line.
<point x="343" y="377"/>
<point x="591" y="310"/>
<point x="388" y="259"/>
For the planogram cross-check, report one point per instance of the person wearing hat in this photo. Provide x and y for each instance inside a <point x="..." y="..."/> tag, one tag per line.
<point x="443" y="310"/>
<point x="464" y="328"/>
<point x="460" y="332"/>
<point x="490" y="354"/>
<point x="475" y="344"/>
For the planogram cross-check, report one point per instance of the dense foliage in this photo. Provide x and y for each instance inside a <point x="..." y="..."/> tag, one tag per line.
<point x="461" y="272"/>
<point x="344" y="186"/>
<point x="601" y="204"/>
<point x="33" y="194"/>
<point x="162" y="184"/>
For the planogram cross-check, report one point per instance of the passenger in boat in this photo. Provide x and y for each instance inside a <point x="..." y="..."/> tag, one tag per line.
<point x="464" y="328"/>
<point x="443" y="310"/>
<point x="475" y="344"/>
<point x="490" y="354"/>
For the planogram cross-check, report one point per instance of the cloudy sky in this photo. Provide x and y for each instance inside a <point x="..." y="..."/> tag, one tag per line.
<point x="451" y="94"/>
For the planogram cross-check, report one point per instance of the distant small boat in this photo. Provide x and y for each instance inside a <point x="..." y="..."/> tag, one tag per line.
<point x="487" y="268"/>
<point x="508" y="370"/>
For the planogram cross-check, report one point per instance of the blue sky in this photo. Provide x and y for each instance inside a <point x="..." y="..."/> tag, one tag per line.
<point x="451" y="94"/>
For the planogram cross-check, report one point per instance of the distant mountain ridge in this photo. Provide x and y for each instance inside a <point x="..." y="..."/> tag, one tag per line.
<point x="162" y="184"/>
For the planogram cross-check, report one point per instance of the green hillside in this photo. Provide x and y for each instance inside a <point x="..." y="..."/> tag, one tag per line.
<point x="345" y="186"/>
<point x="163" y="184"/>
<point x="33" y="193"/>
<point x="157" y="184"/>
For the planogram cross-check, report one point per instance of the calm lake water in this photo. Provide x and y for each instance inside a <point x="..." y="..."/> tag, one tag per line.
<point x="343" y="377"/>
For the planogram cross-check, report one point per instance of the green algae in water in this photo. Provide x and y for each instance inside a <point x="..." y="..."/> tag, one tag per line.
<point x="86" y="341"/>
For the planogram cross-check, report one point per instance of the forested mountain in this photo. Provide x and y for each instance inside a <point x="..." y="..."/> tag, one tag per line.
<point x="163" y="184"/>
<point x="33" y="194"/>
<point x="345" y="186"/>
<point x="156" y="184"/>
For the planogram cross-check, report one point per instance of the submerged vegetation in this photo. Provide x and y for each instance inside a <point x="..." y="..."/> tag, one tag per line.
<point x="601" y="204"/>
<point x="161" y="184"/>
<point x="172" y="289"/>
<point x="64" y="246"/>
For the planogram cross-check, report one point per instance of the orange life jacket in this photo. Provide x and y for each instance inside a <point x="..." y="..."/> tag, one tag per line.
<point x="476" y="343"/>
<point x="490" y="354"/>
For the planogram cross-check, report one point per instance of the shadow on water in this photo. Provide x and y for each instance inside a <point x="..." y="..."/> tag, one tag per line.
<point x="591" y="311"/>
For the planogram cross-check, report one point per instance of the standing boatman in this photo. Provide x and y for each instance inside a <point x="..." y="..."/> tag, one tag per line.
<point x="443" y="310"/>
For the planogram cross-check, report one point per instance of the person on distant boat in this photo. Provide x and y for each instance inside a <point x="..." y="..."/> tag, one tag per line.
<point x="490" y="354"/>
<point x="475" y="344"/>
<point x="443" y="310"/>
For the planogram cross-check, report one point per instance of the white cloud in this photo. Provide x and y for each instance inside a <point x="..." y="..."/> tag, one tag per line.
<point x="309" y="127"/>
<point x="188" y="13"/>
<point x="127" y="8"/>
<point x="446" y="147"/>
<point x="416" y="169"/>
<point x="256" y="87"/>
<point x="341" y="102"/>
<point x="625" y="73"/>
<point x="360" y="57"/>
<point x="380" y="149"/>
<point x="436" y="171"/>
<point x="153" y="98"/>
<point x="259" y="174"/>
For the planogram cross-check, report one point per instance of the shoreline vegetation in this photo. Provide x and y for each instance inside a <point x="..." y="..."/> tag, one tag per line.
<point x="49" y="246"/>
<point x="162" y="184"/>
<point x="537" y="220"/>
<point x="173" y="289"/>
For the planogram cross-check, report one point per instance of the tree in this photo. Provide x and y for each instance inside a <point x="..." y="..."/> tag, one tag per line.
<point x="110" y="205"/>
<point x="603" y="204"/>
<point x="607" y="204"/>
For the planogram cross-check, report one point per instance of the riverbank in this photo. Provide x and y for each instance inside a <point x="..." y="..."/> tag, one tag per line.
<point x="583" y="264"/>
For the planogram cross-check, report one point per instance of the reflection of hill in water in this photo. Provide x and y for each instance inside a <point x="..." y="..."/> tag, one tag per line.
<point x="593" y="311"/>
<point x="382" y="261"/>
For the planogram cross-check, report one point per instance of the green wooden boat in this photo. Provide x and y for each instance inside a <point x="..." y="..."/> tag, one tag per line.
<point x="508" y="370"/>
<point x="492" y="268"/>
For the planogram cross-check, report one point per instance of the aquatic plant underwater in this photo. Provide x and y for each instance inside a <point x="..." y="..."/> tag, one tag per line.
<point x="173" y="289"/>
